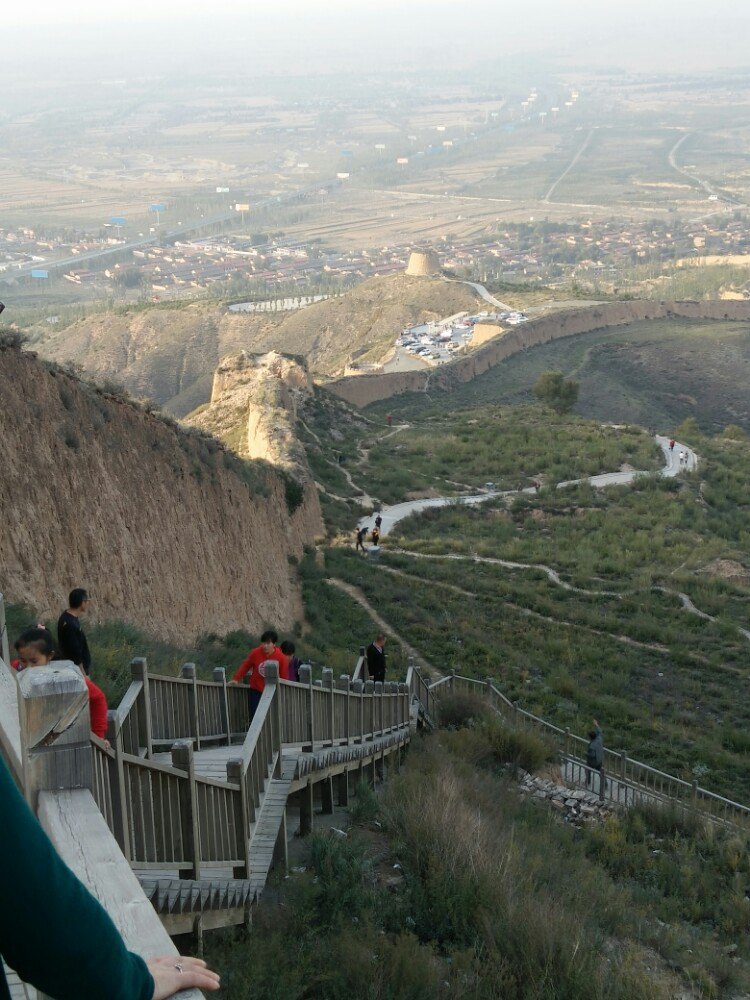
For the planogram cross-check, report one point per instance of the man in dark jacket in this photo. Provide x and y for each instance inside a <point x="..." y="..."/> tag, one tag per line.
<point x="595" y="752"/>
<point x="376" y="658"/>
<point x="71" y="639"/>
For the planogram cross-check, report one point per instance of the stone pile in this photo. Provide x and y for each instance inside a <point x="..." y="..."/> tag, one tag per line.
<point x="575" y="805"/>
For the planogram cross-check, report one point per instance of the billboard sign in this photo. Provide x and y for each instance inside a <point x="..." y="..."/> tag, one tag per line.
<point x="220" y="190"/>
<point x="157" y="208"/>
<point x="118" y="220"/>
<point x="242" y="207"/>
<point x="37" y="272"/>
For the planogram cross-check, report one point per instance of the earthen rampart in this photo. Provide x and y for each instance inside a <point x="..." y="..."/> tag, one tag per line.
<point x="365" y="389"/>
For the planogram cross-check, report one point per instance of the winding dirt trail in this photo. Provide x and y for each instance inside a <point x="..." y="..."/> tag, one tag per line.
<point x="356" y="594"/>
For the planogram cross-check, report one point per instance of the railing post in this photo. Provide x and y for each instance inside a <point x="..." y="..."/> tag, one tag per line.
<point x="515" y="715"/>
<point x="694" y="787"/>
<point x="305" y="677"/>
<point x="623" y="764"/>
<point x="182" y="758"/>
<point x="453" y="680"/>
<point x="377" y="708"/>
<point x="488" y="688"/>
<point x="189" y="674"/>
<point x="117" y="784"/>
<point x="328" y="686"/>
<point x="602" y="781"/>
<point x="344" y="685"/>
<point x="359" y="710"/>
<point x="272" y="679"/>
<point x="139" y="672"/>
<point x="53" y="709"/>
<point x="236" y="776"/>
<point x="4" y="646"/>
<point x="363" y="659"/>
<point x="370" y="701"/>
<point x="404" y="703"/>
<point x="219" y="675"/>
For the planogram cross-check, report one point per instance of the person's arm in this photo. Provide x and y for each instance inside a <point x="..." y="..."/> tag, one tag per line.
<point x="284" y="662"/>
<point x="58" y="938"/>
<point x="53" y="932"/>
<point x="243" y="668"/>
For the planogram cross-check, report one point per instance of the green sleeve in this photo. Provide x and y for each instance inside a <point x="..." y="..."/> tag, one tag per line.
<point x="53" y="932"/>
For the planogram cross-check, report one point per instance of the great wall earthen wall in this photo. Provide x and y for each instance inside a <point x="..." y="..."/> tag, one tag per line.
<point x="364" y="389"/>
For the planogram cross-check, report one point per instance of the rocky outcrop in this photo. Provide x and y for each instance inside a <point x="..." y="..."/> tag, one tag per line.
<point x="365" y="389"/>
<point x="253" y="409"/>
<point x="575" y="805"/>
<point x="166" y="528"/>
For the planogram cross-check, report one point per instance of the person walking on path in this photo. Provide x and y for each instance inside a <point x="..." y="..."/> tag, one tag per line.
<point x="376" y="536"/>
<point x="378" y="521"/>
<point x="375" y="654"/>
<point x="595" y="754"/>
<point x="71" y="639"/>
<point x="58" y="937"/>
<point x="254" y="663"/>
<point x="360" y="543"/>
<point x="389" y="419"/>
<point x="672" y="443"/>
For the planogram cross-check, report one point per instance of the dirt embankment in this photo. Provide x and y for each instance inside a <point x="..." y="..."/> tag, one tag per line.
<point x="364" y="389"/>
<point x="167" y="530"/>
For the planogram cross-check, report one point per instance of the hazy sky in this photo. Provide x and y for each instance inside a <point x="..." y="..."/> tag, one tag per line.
<point x="652" y="34"/>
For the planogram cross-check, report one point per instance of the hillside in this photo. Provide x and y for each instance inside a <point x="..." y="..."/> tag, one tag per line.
<point x="169" y="354"/>
<point x="363" y="324"/>
<point x="164" y="527"/>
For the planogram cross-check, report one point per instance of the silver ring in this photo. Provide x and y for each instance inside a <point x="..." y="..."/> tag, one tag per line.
<point x="178" y="967"/>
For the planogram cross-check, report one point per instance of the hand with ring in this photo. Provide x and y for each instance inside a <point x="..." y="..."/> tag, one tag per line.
<point x="172" y="973"/>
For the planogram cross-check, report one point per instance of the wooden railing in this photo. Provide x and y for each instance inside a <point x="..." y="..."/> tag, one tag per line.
<point x="629" y="780"/>
<point x="166" y="817"/>
<point x="71" y="783"/>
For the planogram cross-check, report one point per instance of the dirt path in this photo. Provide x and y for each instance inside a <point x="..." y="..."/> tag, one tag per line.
<point x="356" y="594"/>
<point x="555" y="578"/>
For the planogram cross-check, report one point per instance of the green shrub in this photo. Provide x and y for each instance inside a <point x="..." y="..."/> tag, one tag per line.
<point x="458" y="709"/>
<point x="364" y="809"/>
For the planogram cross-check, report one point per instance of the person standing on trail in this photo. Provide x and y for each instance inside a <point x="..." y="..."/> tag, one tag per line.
<point x="376" y="536"/>
<point x="389" y="419"/>
<point x="71" y="639"/>
<point x="672" y="443"/>
<point x="375" y="654"/>
<point x="254" y="663"/>
<point x="594" y="753"/>
<point x="360" y="543"/>
<point x="378" y="521"/>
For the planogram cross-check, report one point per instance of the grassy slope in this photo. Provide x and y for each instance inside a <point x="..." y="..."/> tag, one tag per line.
<point x="451" y="886"/>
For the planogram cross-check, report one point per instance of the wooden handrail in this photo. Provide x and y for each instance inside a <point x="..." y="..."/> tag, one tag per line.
<point x="627" y="770"/>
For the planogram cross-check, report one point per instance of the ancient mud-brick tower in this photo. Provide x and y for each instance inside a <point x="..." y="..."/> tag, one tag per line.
<point x="424" y="263"/>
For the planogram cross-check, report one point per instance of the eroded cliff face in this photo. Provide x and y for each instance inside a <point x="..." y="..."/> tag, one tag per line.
<point x="253" y="409"/>
<point x="364" y="389"/>
<point x="167" y="530"/>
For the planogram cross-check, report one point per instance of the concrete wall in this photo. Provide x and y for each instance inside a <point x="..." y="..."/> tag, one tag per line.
<point x="365" y="389"/>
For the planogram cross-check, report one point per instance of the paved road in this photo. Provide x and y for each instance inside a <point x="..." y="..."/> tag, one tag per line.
<point x="392" y="515"/>
<point x="572" y="163"/>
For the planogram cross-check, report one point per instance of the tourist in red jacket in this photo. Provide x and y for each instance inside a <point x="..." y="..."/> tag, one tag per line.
<point x="36" y="648"/>
<point x="268" y="650"/>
